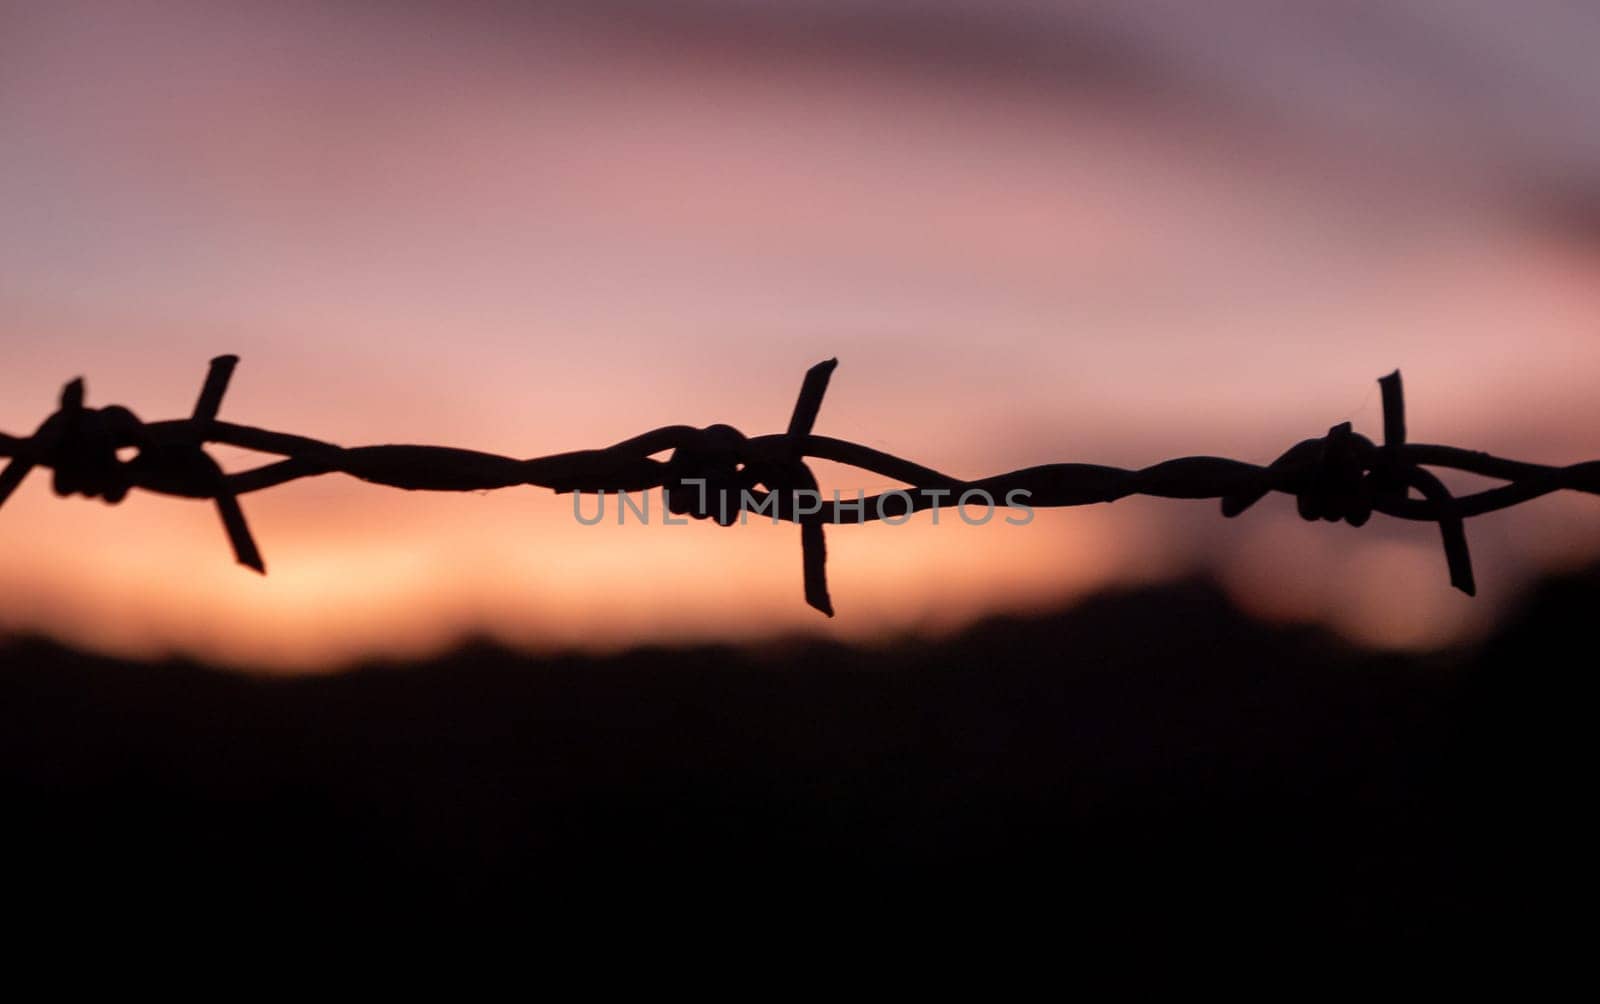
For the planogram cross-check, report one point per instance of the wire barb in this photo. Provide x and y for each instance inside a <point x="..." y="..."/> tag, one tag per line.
<point x="216" y="385"/>
<point x="1342" y="476"/>
<point x="813" y="542"/>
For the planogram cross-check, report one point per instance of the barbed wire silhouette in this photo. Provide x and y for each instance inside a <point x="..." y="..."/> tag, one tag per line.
<point x="1340" y="476"/>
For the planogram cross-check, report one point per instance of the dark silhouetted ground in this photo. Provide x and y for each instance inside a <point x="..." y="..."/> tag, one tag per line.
<point x="1150" y="763"/>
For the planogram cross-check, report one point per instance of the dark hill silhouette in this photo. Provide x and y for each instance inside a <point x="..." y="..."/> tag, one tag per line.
<point x="1150" y="762"/>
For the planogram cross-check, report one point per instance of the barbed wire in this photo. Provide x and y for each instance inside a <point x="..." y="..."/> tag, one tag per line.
<point x="1340" y="476"/>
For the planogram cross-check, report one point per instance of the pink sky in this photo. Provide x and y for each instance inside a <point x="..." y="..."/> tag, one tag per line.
<point x="543" y="233"/>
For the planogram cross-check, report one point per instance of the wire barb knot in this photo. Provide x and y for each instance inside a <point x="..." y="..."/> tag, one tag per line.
<point x="1340" y="483"/>
<point x="707" y="474"/>
<point x="80" y="445"/>
<point x="1345" y="476"/>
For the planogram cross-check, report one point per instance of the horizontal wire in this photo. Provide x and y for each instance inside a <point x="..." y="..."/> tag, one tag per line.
<point x="1341" y="476"/>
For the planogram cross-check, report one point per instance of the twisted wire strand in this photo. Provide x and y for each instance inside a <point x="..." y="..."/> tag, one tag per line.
<point x="1339" y="476"/>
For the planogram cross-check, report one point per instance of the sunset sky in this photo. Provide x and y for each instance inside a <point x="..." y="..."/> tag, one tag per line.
<point x="1030" y="232"/>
